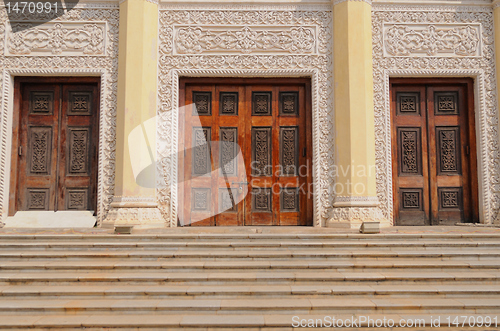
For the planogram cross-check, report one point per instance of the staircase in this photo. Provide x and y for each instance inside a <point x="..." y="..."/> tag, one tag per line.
<point x="260" y="281"/>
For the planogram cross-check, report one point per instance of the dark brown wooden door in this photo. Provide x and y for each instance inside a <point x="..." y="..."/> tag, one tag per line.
<point x="268" y="123"/>
<point x="434" y="152"/>
<point x="57" y="146"/>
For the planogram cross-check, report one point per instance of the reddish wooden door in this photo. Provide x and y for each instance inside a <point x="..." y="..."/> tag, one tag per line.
<point x="434" y="152"/>
<point x="56" y="154"/>
<point x="268" y="121"/>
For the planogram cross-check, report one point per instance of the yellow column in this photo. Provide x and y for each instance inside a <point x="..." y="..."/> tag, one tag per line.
<point x="134" y="201"/>
<point x="355" y="189"/>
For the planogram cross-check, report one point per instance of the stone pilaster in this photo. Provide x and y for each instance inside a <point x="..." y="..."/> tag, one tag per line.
<point x="134" y="202"/>
<point x="355" y="188"/>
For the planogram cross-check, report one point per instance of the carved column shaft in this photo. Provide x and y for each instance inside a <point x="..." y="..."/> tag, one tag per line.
<point x="355" y="191"/>
<point x="134" y="201"/>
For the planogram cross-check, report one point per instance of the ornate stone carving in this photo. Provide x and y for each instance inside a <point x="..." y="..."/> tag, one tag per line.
<point x="60" y="38"/>
<point x="482" y="68"/>
<point x="318" y="67"/>
<point x="104" y="65"/>
<point x="246" y="39"/>
<point x="432" y="40"/>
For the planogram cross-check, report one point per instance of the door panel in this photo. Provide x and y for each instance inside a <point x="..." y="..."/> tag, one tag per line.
<point x="433" y="162"/>
<point x="38" y="147"/>
<point x="268" y="124"/>
<point x="57" y="154"/>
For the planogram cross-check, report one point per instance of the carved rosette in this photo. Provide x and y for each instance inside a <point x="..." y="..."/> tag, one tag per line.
<point x="249" y="26"/>
<point x="460" y="40"/>
<point x="96" y="56"/>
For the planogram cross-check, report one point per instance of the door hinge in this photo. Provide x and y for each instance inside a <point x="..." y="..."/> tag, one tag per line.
<point x="20" y="150"/>
<point x="467" y="150"/>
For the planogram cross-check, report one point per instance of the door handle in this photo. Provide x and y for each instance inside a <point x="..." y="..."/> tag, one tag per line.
<point x="241" y="183"/>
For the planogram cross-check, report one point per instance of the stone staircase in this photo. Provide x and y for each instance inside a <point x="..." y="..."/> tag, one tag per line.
<point x="260" y="281"/>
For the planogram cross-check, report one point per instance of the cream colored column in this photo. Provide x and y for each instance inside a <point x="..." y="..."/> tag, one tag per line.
<point x="355" y="189"/>
<point x="134" y="201"/>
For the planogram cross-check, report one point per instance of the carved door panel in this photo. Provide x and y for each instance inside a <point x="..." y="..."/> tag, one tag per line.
<point x="77" y="148"/>
<point x="37" y="150"/>
<point x="267" y="124"/>
<point x="57" y="147"/>
<point x="434" y="156"/>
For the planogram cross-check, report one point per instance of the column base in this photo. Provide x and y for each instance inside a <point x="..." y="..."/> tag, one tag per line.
<point x="351" y="212"/>
<point x="141" y="213"/>
<point x="353" y="217"/>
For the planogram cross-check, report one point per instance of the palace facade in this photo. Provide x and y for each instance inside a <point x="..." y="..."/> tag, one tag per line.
<point x="315" y="113"/>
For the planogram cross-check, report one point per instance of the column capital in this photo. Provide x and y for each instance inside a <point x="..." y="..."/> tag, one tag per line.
<point x="495" y="4"/>
<point x="155" y="2"/>
<point x="336" y="2"/>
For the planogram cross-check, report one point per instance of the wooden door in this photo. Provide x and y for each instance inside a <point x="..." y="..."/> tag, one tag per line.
<point x="268" y="121"/>
<point x="434" y="154"/>
<point x="55" y="155"/>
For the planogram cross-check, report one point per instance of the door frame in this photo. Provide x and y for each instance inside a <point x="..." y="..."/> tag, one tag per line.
<point x="307" y="82"/>
<point x="16" y="132"/>
<point x="471" y="132"/>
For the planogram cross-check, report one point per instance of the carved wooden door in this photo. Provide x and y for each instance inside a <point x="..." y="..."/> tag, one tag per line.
<point x="434" y="153"/>
<point x="267" y="122"/>
<point x="57" y="147"/>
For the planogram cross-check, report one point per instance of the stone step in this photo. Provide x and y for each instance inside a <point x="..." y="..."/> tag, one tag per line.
<point x="287" y="291"/>
<point x="233" y="235"/>
<point x="267" y="305"/>
<point x="492" y="276"/>
<point x="262" y="265"/>
<point x="253" y="254"/>
<point x="419" y="245"/>
<point x="248" y="322"/>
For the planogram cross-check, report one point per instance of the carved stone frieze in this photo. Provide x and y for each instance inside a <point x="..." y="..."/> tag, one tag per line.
<point x="246" y="40"/>
<point x="104" y="64"/>
<point x="61" y="38"/>
<point x="432" y="40"/>
<point x="315" y="62"/>
<point x="479" y="65"/>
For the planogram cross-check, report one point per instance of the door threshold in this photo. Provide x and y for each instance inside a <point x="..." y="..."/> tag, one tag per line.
<point x="52" y="219"/>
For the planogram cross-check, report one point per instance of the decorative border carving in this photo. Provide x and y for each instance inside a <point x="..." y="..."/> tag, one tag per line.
<point x="73" y="39"/>
<point x="482" y="69"/>
<point x="318" y="67"/>
<point x="104" y="66"/>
